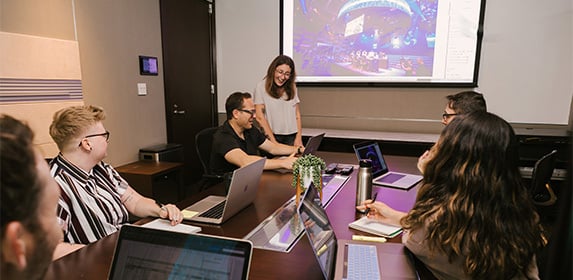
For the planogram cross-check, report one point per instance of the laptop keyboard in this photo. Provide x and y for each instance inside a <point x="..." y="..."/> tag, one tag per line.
<point x="215" y="212"/>
<point x="362" y="262"/>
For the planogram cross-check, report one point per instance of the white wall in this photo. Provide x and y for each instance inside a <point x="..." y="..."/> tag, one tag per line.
<point x="525" y="72"/>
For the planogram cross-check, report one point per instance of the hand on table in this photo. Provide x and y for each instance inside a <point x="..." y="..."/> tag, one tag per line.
<point x="171" y="212"/>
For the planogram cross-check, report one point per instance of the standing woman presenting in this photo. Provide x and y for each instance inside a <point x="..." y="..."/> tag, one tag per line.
<point x="277" y="103"/>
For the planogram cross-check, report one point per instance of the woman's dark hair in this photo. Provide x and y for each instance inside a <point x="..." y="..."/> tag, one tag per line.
<point x="19" y="182"/>
<point x="235" y="101"/>
<point x="289" y="86"/>
<point x="473" y="201"/>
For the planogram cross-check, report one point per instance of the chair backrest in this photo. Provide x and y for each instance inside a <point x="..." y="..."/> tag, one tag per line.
<point x="542" y="172"/>
<point x="203" y="145"/>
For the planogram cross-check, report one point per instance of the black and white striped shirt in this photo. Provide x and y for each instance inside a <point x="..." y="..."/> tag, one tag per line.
<point x="89" y="207"/>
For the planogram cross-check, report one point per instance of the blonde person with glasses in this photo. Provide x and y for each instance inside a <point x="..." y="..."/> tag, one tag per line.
<point x="277" y="103"/>
<point x="94" y="199"/>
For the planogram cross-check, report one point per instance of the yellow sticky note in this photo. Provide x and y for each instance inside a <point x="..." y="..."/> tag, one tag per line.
<point x="188" y="214"/>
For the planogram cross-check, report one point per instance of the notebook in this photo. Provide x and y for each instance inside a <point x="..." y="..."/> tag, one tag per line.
<point x="309" y="149"/>
<point x="380" y="173"/>
<point x="348" y="259"/>
<point x="242" y="192"/>
<point x="374" y="227"/>
<point x="145" y="253"/>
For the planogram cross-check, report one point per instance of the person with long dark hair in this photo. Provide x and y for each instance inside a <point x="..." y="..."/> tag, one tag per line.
<point x="277" y="103"/>
<point x="473" y="217"/>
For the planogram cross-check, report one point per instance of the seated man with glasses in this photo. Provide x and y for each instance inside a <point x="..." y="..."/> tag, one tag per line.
<point x="236" y="142"/>
<point x="462" y="103"/>
<point x="94" y="199"/>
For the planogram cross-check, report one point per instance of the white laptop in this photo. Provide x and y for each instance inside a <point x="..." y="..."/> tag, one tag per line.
<point x="348" y="259"/>
<point x="381" y="175"/>
<point x="242" y="192"/>
<point x="144" y="253"/>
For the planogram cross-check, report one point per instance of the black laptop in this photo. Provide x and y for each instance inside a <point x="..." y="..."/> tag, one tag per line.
<point x="144" y="253"/>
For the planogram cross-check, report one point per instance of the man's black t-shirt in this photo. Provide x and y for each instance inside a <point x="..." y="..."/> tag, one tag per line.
<point x="225" y="139"/>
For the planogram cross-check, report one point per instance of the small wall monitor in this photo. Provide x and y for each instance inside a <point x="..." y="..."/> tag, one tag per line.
<point x="148" y="65"/>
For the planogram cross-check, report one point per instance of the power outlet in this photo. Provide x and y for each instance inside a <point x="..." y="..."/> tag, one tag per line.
<point x="141" y="89"/>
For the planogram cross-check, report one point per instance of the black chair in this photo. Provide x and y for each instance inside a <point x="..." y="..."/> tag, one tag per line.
<point x="541" y="191"/>
<point x="203" y="145"/>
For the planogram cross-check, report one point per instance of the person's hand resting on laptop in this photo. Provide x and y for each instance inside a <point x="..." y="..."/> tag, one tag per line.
<point x="381" y="212"/>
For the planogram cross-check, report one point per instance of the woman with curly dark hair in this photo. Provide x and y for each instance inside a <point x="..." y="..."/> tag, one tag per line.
<point x="473" y="217"/>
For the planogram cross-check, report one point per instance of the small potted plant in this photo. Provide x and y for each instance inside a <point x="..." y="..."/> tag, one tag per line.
<point x="307" y="169"/>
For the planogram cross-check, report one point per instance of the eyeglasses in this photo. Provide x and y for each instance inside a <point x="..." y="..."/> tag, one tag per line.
<point x="250" y="112"/>
<point x="281" y="72"/>
<point x="445" y="116"/>
<point x="105" y="134"/>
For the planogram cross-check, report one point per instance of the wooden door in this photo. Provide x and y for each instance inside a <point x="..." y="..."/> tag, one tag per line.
<point x="188" y="38"/>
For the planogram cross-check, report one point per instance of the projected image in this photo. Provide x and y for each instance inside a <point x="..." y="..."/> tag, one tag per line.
<point x="382" y="40"/>
<point x="392" y="38"/>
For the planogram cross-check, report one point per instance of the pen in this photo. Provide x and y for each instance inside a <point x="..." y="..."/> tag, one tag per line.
<point x="373" y="200"/>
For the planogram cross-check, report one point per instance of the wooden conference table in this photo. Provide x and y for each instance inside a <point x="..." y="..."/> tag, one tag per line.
<point x="93" y="261"/>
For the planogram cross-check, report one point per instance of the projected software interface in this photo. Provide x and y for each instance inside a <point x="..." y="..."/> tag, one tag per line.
<point x="432" y="41"/>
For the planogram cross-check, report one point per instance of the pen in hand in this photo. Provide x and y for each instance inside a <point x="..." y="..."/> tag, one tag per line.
<point x="373" y="200"/>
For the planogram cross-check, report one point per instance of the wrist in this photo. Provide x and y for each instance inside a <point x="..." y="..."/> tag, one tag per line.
<point x="161" y="208"/>
<point x="298" y="149"/>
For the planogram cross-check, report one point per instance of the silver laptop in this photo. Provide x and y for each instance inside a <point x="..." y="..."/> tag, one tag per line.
<point x="144" y="253"/>
<point x="242" y="192"/>
<point x="348" y="259"/>
<point x="381" y="175"/>
<point x="310" y="148"/>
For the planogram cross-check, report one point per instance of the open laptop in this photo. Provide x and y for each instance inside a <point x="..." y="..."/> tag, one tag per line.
<point x="310" y="148"/>
<point x="144" y="253"/>
<point x="338" y="259"/>
<point x="381" y="175"/>
<point x="242" y="192"/>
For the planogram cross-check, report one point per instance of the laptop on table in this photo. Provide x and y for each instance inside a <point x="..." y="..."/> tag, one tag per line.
<point x="242" y="192"/>
<point x="144" y="253"/>
<point x="310" y="148"/>
<point x="381" y="175"/>
<point x="348" y="259"/>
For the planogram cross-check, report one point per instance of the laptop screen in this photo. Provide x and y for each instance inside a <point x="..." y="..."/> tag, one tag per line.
<point x="313" y="144"/>
<point x="319" y="231"/>
<point x="371" y="151"/>
<point x="143" y="253"/>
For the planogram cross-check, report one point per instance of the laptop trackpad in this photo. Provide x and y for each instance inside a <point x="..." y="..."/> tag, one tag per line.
<point x="206" y="203"/>
<point x="391" y="178"/>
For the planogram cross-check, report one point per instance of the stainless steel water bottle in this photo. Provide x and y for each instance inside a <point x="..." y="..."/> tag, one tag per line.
<point x="364" y="182"/>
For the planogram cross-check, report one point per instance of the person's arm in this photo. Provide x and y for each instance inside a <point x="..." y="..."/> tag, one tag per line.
<point x="146" y="207"/>
<point x="279" y="149"/>
<point x="262" y="120"/>
<point x="298" y="137"/>
<point x="382" y="212"/>
<point x="239" y="158"/>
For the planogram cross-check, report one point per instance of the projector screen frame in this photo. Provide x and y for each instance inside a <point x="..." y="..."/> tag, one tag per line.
<point x="373" y="81"/>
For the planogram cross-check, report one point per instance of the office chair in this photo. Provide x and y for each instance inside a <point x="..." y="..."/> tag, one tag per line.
<point x="203" y="145"/>
<point x="541" y="192"/>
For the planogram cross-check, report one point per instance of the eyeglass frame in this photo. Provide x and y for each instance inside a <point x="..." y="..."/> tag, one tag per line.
<point x="252" y="113"/>
<point x="445" y="116"/>
<point x="106" y="134"/>
<point x="280" y="72"/>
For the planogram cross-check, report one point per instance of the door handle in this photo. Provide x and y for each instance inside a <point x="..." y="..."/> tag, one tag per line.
<point x="179" y="112"/>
